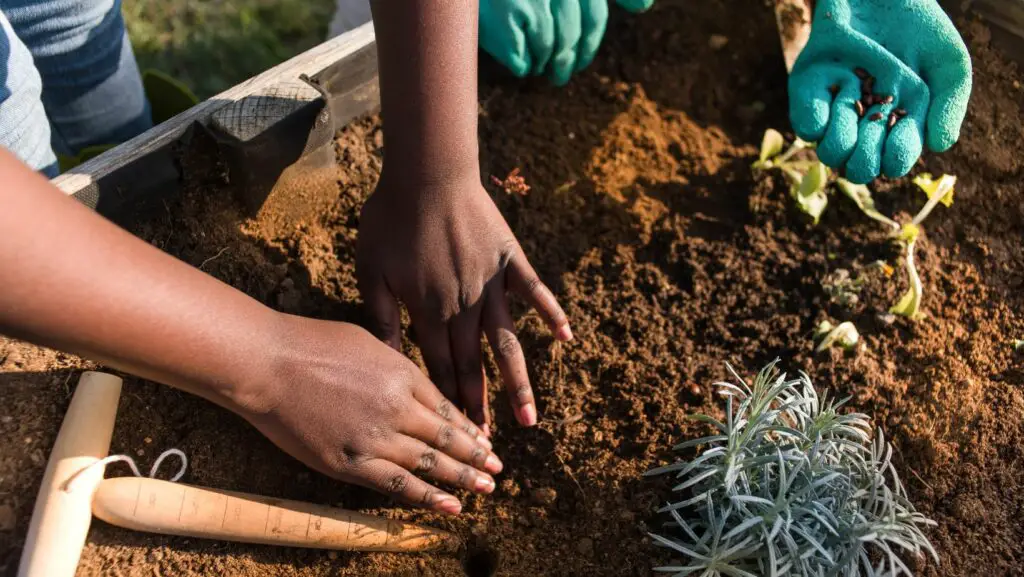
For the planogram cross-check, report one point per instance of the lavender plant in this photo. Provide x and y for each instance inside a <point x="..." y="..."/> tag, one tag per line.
<point x="789" y="485"/>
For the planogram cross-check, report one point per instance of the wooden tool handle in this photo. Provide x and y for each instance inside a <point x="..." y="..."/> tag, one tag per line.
<point x="61" y="518"/>
<point x="169" y="508"/>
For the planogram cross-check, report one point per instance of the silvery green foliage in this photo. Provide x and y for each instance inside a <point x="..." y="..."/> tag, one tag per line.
<point x="789" y="486"/>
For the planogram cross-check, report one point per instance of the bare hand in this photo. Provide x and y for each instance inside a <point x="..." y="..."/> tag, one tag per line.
<point x="444" y="250"/>
<point x="352" y="408"/>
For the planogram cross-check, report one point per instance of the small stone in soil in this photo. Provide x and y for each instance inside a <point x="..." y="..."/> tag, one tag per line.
<point x="545" y="496"/>
<point x="332" y="555"/>
<point x="717" y="41"/>
<point x="876" y="116"/>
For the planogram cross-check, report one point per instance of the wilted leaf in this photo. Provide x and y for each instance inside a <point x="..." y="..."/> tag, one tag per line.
<point x="861" y="195"/>
<point x="943" y="186"/>
<point x="910" y="305"/>
<point x="771" y="144"/>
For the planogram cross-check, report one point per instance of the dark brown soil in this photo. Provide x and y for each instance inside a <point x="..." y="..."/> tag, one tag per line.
<point x="671" y="259"/>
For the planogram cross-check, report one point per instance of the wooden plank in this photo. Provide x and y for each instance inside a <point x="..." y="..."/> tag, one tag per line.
<point x="145" y="164"/>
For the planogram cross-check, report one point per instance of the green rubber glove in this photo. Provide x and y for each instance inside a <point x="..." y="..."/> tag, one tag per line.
<point x="553" y="37"/>
<point x="908" y="50"/>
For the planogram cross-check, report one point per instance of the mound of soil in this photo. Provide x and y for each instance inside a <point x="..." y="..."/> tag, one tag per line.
<point x="671" y="259"/>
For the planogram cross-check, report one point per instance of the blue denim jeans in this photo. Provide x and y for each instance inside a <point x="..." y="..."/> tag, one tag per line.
<point x="68" y="79"/>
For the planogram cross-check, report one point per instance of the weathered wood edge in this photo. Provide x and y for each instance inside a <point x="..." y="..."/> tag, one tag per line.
<point x="145" y="166"/>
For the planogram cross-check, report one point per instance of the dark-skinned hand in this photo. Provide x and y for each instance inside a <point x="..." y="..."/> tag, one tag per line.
<point x="446" y="252"/>
<point x="352" y="408"/>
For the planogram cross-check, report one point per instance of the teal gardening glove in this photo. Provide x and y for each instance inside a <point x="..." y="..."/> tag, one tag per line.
<point x="556" y="37"/>
<point x="877" y="80"/>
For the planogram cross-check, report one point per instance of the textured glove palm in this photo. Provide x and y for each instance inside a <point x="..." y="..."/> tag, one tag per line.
<point x="906" y="49"/>
<point x="557" y="37"/>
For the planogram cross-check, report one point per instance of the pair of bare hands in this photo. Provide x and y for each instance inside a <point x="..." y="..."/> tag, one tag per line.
<point x="363" y="412"/>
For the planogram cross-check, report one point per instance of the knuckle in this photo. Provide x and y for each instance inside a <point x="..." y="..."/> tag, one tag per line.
<point x="465" y="476"/>
<point x="471" y="430"/>
<point x="523" y="394"/>
<point x="508" y="346"/>
<point x="395" y="483"/>
<point x="445" y="409"/>
<point x="427" y="462"/>
<point x="478" y="456"/>
<point x="445" y="436"/>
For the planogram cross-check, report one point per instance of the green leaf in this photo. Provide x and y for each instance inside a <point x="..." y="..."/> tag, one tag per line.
<point x="771" y="144"/>
<point x="861" y="195"/>
<point x="845" y="336"/>
<point x="810" y="193"/>
<point x="167" y="97"/>
<point x="931" y="187"/>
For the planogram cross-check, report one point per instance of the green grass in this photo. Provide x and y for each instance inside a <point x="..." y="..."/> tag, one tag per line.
<point x="211" y="45"/>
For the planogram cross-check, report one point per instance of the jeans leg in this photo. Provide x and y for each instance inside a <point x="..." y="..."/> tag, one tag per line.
<point x="24" y="129"/>
<point x="92" y="90"/>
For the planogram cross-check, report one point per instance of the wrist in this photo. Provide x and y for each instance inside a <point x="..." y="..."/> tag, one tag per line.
<point x="255" y="386"/>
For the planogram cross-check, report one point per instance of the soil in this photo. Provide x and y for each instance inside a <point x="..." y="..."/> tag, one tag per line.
<point x="671" y="259"/>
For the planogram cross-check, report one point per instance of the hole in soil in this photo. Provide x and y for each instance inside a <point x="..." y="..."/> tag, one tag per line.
<point x="480" y="562"/>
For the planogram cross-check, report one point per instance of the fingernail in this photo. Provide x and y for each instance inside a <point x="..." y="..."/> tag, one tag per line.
<point x="484" y="485"/>
<point x="449" y="505"/>
<point x="493" y="465"/>
<point x="564" y="333"/>
<point x="528" y="415"/>
<point x="485" y="442"/>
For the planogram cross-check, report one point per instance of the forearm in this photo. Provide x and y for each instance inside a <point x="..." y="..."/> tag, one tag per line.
<point x="427" y="58"/>
<point x="76" y="282"/>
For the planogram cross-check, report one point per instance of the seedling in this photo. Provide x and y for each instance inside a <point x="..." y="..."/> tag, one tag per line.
<point x="844" y="336"/>
<point x="807" y="177"/>
<point x="844" y="289"/>
<point x="789" y="485"/>
<point x="940" y="190"/>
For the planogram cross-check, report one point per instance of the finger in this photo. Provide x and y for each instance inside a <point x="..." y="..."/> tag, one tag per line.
<point x="504" y="39"/>
<point x="903" y="146"/>
<point x="521" y="278"/>
<point x="567" y="18"/>
<point x="428" y="462"/>
<point x="468" y="358"/>
<point x="388" y="478"/>
<point x="810" y="102"/>
<point x="539" y="29"/>
<point x="432" y="338"/>
<point x="383" y="309"/>
<point x="593" y="22"/>
<point x="508" y="353"/>
<point x="841" y="135"/>
<point x="428" y="396"/>
<point x="429" y="427"/>
<point x="866" y="162"/>
<point x="635" y="6"/>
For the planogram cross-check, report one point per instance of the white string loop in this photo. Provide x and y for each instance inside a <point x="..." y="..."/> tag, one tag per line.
<point x="71" y="484"/>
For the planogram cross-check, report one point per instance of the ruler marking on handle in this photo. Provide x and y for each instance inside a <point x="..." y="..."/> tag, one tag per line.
<point x="181" y="509"/>
<point x="348" y="531"/>
<point x="267" y="524"/>
<point x="309" y="523"/>
<point x="138" y="497"/>
<point x="224" y="517"/>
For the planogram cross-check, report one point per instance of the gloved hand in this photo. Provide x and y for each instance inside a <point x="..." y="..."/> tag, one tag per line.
<point x="557" y="37"/>
<point x="903" y="62"/>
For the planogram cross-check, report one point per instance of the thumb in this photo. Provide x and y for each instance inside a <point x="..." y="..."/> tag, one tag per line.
<point x="635" y="6"/>
<point x="383" y="309"/>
